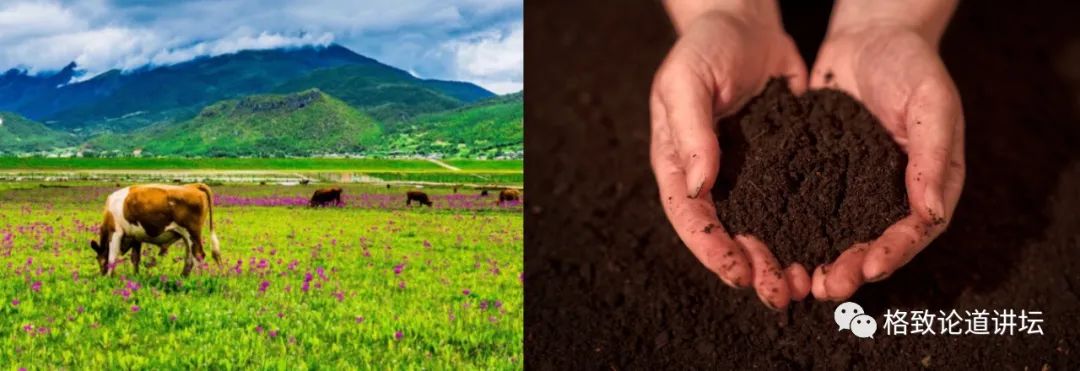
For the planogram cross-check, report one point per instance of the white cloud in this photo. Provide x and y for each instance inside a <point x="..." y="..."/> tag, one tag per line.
<point x="460" y="40"/>
<point x="263" y="40"/>
<point x="494" y="57"/>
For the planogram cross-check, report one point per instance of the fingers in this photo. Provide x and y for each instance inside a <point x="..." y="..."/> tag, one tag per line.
<point x="694" y="219"/>
<point x="845" y="275"/>
<point x="897" y="246"/>
<point x="798" y="281"/>
<point x="817" y="282"/>
<point x="933" y="116"/>
<point x="769" y="282"/>
<point x="683" y="88"/>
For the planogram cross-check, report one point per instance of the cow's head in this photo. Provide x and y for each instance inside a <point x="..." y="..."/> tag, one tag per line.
<point x="101" y="247"/>
<point x="102" y="255"/>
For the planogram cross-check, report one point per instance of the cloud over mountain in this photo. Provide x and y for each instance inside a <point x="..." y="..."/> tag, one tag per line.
<point x="473" y="40"/>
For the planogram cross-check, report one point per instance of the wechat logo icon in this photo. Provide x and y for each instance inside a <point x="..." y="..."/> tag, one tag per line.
<point x="851" y="316"/>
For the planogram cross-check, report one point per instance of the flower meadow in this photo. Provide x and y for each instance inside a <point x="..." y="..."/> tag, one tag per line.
<point x="372" y="284"/>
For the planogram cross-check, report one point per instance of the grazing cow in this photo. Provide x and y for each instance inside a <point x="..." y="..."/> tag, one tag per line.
<point x="483" y="193"/>
<point x="325" y="196"/>
<point x="508" y="195"/>
<point x="420" y="197"/>
<point x="305" y="181"/>
<point x="158" y="214"/>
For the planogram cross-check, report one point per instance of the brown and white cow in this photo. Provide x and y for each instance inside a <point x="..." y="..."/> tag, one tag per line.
<point x="158" y="214"/>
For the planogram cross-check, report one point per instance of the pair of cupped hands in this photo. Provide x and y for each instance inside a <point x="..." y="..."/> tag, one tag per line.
<point x="721" y="60"/>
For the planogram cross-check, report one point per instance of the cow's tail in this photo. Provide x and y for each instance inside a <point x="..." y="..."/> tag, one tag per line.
<point x="214" y="244"/>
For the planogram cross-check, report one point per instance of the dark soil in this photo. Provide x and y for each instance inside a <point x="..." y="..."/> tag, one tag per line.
<point x="809" y="175"/>
<point x="609" y="285"/>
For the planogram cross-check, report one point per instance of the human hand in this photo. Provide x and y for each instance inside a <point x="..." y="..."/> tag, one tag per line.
<point x="894" y="69"/>
<point x="725" y="54"/>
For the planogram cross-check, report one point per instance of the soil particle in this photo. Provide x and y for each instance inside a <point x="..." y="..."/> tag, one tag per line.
<point x="810" y="176"/>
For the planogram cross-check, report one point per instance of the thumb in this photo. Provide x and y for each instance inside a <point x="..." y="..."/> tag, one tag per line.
<point x="932" y="113"/>
<point x="687" y="97"/>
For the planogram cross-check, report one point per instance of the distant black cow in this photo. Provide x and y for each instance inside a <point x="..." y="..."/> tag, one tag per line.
<point x="387" y="185"/>
<point x="305" y="181"/>
<point x="508" y="195"/>
<point x="418" y="196"/>
<point x="483" y="193"/>
<point x="326" y="196"/>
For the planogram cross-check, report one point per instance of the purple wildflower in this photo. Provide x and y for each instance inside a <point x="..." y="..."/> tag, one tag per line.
<point x="36" y="286"/>
<point x="15" y="302"/>
<point x="273" y="333"/>
<point x="263" y="286"/>
<point x="259" y="329"/>
<point x="134" y="308"/>
<point x="401" y="285"/>
<point x="398" y="268"/>
<point x="466" y="292"/>
<point x="359" y="319"/>
<point x="398" y="335"/>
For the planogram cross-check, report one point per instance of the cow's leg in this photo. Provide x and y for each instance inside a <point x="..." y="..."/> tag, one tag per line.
<point x="189" y="258"/>
<point x="136" y="255"/>
<point x="197" y="245"/>
<point x="114" y="251"/>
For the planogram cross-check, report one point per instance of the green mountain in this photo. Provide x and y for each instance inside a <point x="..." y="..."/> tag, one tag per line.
<point x="123" y="101"/>
<point x="385" y="94"/>
<point x="305" y="123"/>
<point x="20" y="135"/>
<point x="488" y="128"/>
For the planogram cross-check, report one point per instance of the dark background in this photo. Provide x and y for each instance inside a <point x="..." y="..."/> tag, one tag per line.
<point x="610" y="286"/>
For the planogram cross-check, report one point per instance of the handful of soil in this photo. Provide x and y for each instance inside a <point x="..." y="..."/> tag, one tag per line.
<point x="809" y="176"/>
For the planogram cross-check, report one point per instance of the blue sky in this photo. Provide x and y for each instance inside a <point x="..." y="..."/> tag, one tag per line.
<point x="480" y="41"/>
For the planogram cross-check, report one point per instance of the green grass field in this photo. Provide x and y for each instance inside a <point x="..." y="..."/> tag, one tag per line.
<point x="371" y="285"/>
<point x="249" y="164"/>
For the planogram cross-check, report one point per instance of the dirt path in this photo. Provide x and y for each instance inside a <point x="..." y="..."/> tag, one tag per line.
<point x="443" y="164"/>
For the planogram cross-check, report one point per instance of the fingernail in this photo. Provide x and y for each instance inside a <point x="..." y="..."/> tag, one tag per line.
<point x="727" y="282"/>
<point x="695" y="191"/>
<point x="768" y="304"/>
<point x="878" y="277"/>
<point x="934" y="205"/>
